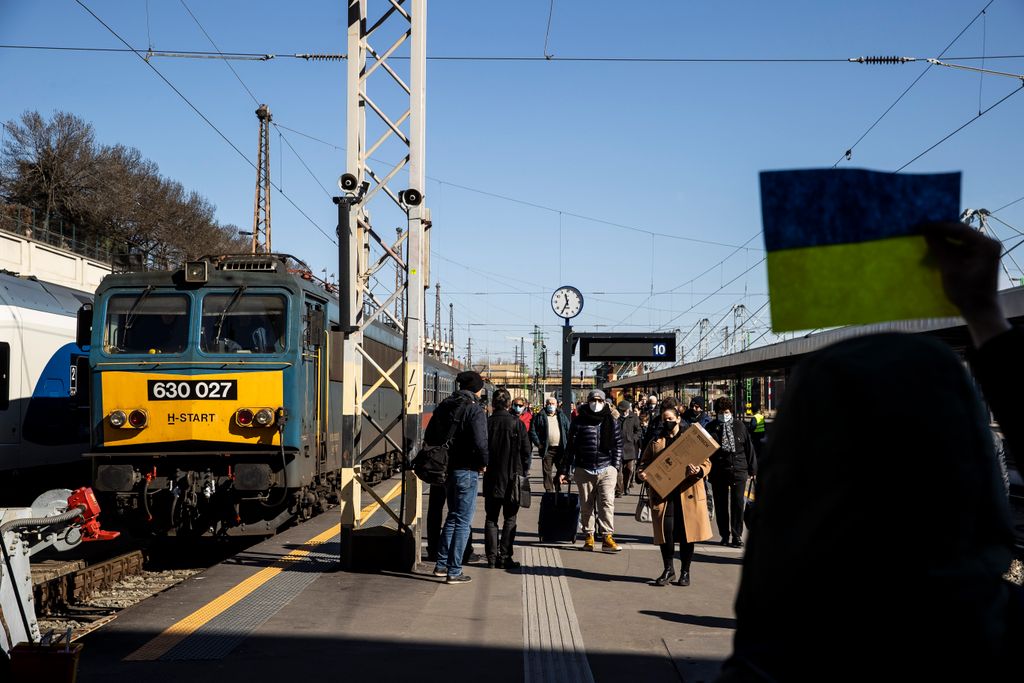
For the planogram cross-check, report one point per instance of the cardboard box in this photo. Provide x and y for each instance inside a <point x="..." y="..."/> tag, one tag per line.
<point x="693" y="447"/>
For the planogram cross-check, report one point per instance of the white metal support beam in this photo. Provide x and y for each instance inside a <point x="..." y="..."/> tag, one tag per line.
<point x="397" y="119"/>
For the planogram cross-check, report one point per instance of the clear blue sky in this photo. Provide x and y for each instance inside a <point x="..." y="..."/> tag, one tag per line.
<point x="668" y="148"/>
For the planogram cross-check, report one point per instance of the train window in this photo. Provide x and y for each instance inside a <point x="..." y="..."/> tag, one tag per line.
<point x="243" y="323"/>
<point x="5" y="375"/>
<point x="140" y="323"/>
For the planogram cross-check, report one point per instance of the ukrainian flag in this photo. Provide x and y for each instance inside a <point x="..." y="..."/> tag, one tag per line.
<point x="843" y="249"/>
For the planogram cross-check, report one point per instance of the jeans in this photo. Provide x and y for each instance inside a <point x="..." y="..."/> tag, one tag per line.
<point x="435" y="520"/>
<point x="461" y="486"/>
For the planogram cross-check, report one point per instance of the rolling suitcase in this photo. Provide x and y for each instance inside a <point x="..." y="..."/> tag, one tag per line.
<point x="559" y="517"/>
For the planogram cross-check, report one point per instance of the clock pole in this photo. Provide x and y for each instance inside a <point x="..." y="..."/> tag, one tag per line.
<point x="567" y="368"/>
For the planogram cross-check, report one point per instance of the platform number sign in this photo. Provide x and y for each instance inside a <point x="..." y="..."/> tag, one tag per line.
<point x="615" y="346"/>
<point x="73" y="381"/>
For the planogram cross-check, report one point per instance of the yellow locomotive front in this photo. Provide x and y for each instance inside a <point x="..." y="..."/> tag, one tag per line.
<point x="189" y="386"/>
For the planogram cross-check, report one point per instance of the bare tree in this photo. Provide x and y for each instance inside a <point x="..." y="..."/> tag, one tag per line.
<point x="112" y="192"/>
<point x="50" y="164"/>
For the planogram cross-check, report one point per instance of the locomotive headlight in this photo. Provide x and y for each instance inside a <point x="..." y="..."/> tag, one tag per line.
<point x="244" y="417"/>
<point x="117" y="418"/>
<point x="264" y="417"/>
<point x="138" y="419"/>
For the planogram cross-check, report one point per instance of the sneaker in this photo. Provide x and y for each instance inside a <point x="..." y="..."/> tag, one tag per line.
<point x="461" y="578"/>
<point x="440" y="572"/>
<point x="588" y="544"/>
<point x="609" y="545"/>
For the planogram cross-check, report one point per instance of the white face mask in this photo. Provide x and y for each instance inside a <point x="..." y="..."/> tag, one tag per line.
<point x="726" y="417"/>
<point x="597" y="406"/>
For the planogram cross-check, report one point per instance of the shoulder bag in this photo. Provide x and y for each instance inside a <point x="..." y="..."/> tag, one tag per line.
<point x="431" y="463"/>
<point x="643" y="506"/>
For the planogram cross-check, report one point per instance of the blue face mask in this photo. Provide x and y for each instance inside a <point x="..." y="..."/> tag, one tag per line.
<point x="550" y="410"/>
<point x="518" y="409"/>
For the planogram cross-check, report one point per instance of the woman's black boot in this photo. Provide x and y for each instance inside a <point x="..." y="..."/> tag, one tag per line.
<point x="684" y="579"/>
<point x="665" y="578"/>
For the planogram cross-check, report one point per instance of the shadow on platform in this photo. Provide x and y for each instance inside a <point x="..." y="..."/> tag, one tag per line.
<point x="335" y="657"/>
<point x="693" y="619"/>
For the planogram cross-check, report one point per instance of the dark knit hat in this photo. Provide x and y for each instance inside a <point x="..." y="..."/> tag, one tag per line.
<point x="697" y="401"/>
<point x="470" y="380"/>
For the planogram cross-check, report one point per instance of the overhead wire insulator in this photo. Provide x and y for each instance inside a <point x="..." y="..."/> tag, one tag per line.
<point x="321" y="57"/>
<point x="883" y="60"/>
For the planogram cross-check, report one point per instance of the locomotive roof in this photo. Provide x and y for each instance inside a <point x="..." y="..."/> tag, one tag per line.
<point x="31" y="293"/>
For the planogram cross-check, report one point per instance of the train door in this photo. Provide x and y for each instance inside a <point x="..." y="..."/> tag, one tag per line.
<point x="10" y="386"/>
<point x="314" y="382"/>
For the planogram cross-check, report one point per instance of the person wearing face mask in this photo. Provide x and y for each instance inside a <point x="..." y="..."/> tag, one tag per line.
<point x="522" y="411"/>
<point x="593" y="459"/>
<point x="682" y="516"/>
<point x="629" y="425"/>
<point x="549" y="432"/>
<point x="733" y="463"/>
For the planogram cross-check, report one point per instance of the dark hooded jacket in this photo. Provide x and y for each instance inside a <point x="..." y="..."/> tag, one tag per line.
<point x="469" y="444"/>
<point x="884" y="543"/>
<point x="595" y="441"/>
<point x="509" y="452"/>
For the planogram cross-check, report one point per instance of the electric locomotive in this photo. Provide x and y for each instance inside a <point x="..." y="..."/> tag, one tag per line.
<point x="215" y="404"/>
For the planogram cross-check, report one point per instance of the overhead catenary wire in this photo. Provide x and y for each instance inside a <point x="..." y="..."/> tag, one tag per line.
<point x="255" y="99"/>
<point x="963" y="125"/>
<point x="848" y="154"/>
<point x="203" y="116"/>
<point x="336" y="57"/>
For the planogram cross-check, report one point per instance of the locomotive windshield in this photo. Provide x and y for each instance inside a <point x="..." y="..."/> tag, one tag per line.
<point x="243" y="322"/>
<point x="141" y="323"/>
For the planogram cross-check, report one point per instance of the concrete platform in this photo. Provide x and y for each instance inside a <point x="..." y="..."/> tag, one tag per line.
<point x="282" y="611"/>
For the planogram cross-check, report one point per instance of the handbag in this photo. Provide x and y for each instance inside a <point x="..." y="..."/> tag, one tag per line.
<point x="431" y="463"/>
<point x="643" y="506"/>
<point x="525" y="494"/>
<point x="749" y="498"/>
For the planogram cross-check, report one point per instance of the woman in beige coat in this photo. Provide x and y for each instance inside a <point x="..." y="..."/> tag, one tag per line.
<point x="682" y="516"/>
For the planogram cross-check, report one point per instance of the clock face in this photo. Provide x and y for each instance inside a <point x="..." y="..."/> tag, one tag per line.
<point x="567" y="302"/>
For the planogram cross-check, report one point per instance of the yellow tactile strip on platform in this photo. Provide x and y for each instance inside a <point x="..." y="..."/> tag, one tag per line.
<point x="179" y="631"/>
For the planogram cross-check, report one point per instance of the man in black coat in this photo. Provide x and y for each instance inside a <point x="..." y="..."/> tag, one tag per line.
<point x="509" y="458"/>
<point x="632" y="436"/>
<point x="731" y="466"/>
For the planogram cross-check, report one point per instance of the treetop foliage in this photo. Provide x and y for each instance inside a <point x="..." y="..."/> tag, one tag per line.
<point x="111" y="193"/>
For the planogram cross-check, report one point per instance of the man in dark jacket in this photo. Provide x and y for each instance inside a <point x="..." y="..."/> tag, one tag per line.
<point x="549" y="432"/>
<point x="593" y="459"/>
<point x="508" y="446"/>
<point x="629" y="426"/>
<point x="731" y="466"/>
<point x="467" y="459"/>
<point x="696" y="414"/>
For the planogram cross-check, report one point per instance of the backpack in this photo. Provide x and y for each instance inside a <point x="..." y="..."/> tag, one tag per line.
<point x="431" y="463"/>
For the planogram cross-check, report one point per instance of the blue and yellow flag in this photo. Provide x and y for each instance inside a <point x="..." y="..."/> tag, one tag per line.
<point x="843" y="246"/>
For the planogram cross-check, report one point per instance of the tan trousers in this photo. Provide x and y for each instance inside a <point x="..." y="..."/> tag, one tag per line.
<point x="597" y="495"/>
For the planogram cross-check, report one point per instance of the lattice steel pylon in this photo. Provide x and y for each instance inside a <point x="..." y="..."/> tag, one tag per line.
<point x="402" y="27"/>
<point x="704" y="330"/>
<point x="261" y="206"/>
